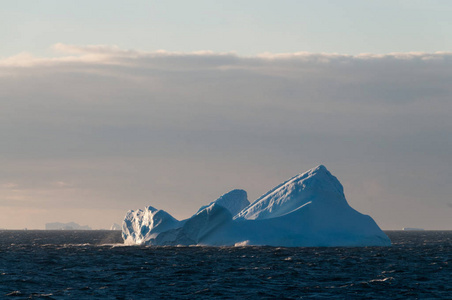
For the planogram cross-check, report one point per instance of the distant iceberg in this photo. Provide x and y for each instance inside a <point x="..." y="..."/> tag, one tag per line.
<point x="413" y="229"/>
<point x="115" y="226"/>
<point x="308" y="210"/>
<point x="66" y="226"/>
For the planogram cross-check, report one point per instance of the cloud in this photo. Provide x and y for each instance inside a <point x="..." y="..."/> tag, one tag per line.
<point x="111" y="99"/>
<point x="115" y="55"/>
<point x="126" y="124"/>
<point x="105" y="92"/>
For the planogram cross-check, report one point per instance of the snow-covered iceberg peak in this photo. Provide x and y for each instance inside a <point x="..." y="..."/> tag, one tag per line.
<point x="234" y="201"/>
<point x="317" y="184"/>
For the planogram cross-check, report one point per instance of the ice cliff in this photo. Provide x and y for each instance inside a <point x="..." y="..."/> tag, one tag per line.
<point x="309" y="209"/>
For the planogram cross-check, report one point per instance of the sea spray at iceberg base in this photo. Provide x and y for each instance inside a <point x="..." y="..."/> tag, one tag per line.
<point x="308" y="210"/>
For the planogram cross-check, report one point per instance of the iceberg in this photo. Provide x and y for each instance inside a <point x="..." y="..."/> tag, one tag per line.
<point x="308" y="210"/>
<point x="115" y="226"/>
<point x="412" y="229"/>
<point x="66" y="226"/>
<point x="157" y="227"/>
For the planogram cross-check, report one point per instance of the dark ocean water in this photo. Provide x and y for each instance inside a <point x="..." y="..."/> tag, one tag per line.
<point x="93" y="265"/>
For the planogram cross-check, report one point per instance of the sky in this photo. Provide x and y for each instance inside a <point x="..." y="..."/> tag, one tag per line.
<point x="108" y="106"/>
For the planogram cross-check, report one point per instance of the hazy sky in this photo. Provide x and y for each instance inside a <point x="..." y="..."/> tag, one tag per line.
<point x="95" y="119"/>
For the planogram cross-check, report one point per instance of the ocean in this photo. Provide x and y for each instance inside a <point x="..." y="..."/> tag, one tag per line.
<point x="95" y="265"/>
